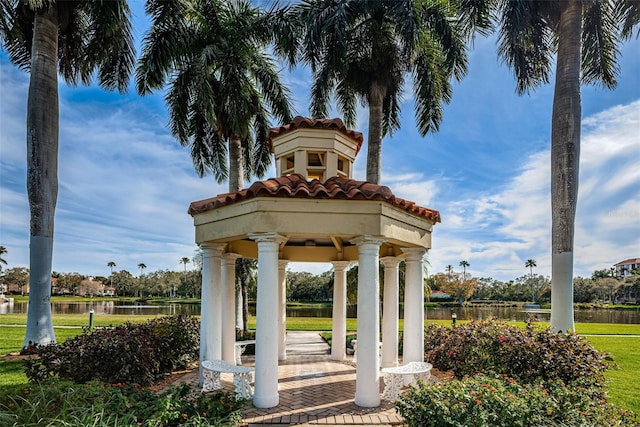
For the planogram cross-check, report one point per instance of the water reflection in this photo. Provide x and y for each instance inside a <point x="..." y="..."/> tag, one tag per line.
<point x="439" y="313"/>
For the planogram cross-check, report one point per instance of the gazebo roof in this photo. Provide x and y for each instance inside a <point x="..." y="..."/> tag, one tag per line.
<point x="300" y="122"/>
<point x="318" y="220"/>
<point x="296" y="186"/>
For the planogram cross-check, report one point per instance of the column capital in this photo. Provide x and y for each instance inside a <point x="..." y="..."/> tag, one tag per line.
<point x="340" y="265"/>
<point x="414" y="254"/>
<point x="271" y="237"/>
<point x="390" y="261"/>
<point x="368" y="239"/>
<point x="230" y="257"/>
<point x="213" y="248"/>
<point x="282" y="263"/>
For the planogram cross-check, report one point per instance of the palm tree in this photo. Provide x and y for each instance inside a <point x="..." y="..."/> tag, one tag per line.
<point x="223" y="85"/>
<point x="362" y="50"/>
<point x="185" y="260"/>
<point x="3" y="251"/>
<point x="111" y="264"/>
<point x="449" y="269"/>
<point x="584" y="36"/>
<point x="77" y="40"/>
<point x="530" y="264"/>
<point x="464" y="264"/>
<point x="141" y="266"/>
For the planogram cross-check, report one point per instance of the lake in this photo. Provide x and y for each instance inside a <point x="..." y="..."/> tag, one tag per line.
<point x="440" y="313"/>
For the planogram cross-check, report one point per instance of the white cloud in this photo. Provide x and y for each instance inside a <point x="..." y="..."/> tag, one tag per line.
<point x="607" y="226"/>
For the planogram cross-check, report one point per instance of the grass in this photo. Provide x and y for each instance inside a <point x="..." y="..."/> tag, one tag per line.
<point x="624" y="389"/>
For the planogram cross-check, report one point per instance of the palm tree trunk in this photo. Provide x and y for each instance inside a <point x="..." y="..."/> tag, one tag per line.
<point x="42" y="173"/>
<point x="374" y="139"/>
<point x="236" y="170"/>
<point x="565" y="158"/>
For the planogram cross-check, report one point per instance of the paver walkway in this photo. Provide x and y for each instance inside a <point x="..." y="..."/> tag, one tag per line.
<point x="313" y="390"/>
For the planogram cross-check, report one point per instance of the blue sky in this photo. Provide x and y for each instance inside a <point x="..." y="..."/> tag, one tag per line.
<point x="125" y="183"/>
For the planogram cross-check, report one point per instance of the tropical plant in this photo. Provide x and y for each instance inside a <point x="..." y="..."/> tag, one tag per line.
<point x="584" y="37"/>
<point x="77" y="40"/>
<point x="362" y="50"/>
<point x="142" y="266"/>
<point x="530" y="264"/>
<point x="111" y="264"/>
<point x="464" y="264"/>
<point x="449" y="269"/>
<point x="185" y="260"/>
<point x="223" y="85"/>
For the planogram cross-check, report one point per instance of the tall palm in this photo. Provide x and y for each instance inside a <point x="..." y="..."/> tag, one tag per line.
<point x="185" y="260"/>
<point x="223" y="85"/>
<point x="464" y="264"/>
<point x="111" y="264"/>
<point x="362" y="50"/>
<point x="77" y="40"/>
<point x="3" y="251"/>
<point x="449" y="269"/>
<point x="584" y="36"/>
<point x="530" y="264"/>
<point x="141" y="266"/>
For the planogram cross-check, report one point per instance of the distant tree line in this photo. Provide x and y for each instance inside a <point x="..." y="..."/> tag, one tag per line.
<point x="308" y="287"/>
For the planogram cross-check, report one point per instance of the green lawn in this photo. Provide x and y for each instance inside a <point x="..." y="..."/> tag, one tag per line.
<point x="624" y="389"/>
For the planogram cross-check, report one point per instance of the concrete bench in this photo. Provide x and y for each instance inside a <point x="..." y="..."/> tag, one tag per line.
<point x="240" y="348"/>
<point x="394" y="377"/>
<point x="242" y="377"/>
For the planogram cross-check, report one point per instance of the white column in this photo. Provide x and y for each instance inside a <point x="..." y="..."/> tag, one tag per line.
<point x="228" y="307"/>
<point x="390" y="312"/>
<point x="339" y="314"/>
<point x="282" y="309"/>
<point x="413" y="343"/>
<point x="239" y="307"/>
<point x="368" y="367"/>
<point x="266" y="373"/>
<point x="210" y="306"/>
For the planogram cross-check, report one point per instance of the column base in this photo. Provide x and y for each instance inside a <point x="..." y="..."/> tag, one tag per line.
<point x="266" y="401"/>
<point x="368" y="401"/>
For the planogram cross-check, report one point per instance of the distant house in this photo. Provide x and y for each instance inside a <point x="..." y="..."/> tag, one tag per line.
<point x="624" y="268"/>
<point x="439" y="295"/>
<point x="108" y="291"/>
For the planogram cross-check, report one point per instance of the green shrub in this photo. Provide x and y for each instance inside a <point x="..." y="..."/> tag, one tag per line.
<point x="502" y="401"/>
<point x="96" y="404"/>
<point x="494" y="347"/>
<point x="135" y="353"/>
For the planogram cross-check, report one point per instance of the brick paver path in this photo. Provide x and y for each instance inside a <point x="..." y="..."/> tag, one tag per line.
<point x="313" y="390"/>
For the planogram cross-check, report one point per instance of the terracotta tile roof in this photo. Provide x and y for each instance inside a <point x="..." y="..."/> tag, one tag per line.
<point x="304" y="122"/>
<point x="296" y="186"/>
<point x="629" y="261"/>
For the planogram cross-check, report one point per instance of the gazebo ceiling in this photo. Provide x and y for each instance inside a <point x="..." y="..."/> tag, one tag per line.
<point x="318" y="219"/>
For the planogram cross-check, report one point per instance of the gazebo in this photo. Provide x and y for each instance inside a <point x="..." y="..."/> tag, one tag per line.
<point x="314" y="212"/>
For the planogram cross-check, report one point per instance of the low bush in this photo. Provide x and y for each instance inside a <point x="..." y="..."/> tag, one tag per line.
<point x="494" y="347"/>
<point x="134" y="353"/>
<point x="78" y="405"/>
<point x="503" y="402"/>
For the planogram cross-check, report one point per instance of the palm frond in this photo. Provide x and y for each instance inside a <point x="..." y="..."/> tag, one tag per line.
<point x="628" y="15"/>
<point x="599" y="45"/>
<point x="525" y="42"/>
<point x="16" y="29"/>
<point x="111" y="48"/>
